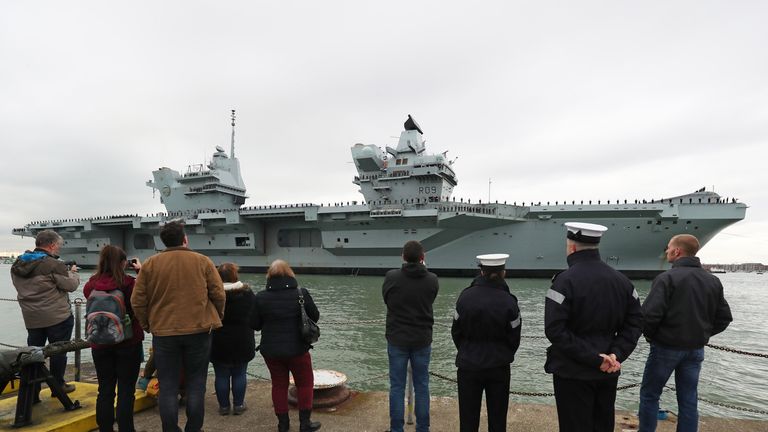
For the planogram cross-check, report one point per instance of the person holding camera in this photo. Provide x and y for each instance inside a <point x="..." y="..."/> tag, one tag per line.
<point x="277" y="314"/>
<point x="43" y="283"/>
<point x="116" y="364"/>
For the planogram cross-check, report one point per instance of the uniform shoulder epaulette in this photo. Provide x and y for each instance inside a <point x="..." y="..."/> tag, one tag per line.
<point x="556" y="275"/>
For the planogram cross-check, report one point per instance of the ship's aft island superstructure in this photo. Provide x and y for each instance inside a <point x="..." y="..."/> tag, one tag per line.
<point x="407" y="196"/>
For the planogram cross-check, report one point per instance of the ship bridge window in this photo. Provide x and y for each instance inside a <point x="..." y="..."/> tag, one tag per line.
<point x="143" y="241"/>
<point x="299" y="237"/>
<point x="243" y="241"/>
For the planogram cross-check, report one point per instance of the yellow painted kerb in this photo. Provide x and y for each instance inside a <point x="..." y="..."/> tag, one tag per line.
<point x="50" y="416"/>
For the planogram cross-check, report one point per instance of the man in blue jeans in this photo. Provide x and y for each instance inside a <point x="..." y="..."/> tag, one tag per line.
<point x="409" y="293"/>
<point x="179" y="298"/>
<point x="685" y="307"/>
<point x="43" y="283"/>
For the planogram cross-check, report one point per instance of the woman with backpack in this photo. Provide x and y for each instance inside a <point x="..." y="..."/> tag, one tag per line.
<point x="115" y="340"/>
<point x="278" y="315"/>
<point x="233" y="345"/>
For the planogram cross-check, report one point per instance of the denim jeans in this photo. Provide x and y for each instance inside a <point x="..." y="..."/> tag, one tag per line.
<point x="172" y="353"/>
<point x="661" y="363"/>
<point x="398" y="371"/>
<point x="116" y="366"/>
<point x="55" y="333"/>
<point x="226" y="373"/>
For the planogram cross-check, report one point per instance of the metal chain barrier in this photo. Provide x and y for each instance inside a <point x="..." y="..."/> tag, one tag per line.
<point x="258" y="377"/>
<point x="370" y="321"/>
<point x="529" y="394"/>
<point x="736" y="351"/>
<point x="9" y="346"/>
<point x="724" y="405"/>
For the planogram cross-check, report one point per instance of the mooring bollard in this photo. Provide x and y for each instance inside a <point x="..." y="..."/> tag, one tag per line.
<point x="78" y="324"/>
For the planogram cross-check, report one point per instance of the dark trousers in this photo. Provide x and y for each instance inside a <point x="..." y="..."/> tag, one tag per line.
<point x="172" y="353"/>
<point x="116" y="366"/>
<point x="495" y="383"/>
<point x="585" y="406"/>
<point x="301" y="369"/>
<point x="55" y="333"/>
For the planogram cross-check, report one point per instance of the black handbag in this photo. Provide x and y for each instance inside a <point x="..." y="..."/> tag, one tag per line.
<point x="310" y="332"/>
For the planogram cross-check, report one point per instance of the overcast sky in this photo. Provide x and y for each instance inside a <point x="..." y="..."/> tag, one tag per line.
<point x="550" y="100"/>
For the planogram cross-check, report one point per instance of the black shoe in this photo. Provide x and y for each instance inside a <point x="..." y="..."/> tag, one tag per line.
<point x="283" y="422"/>
<point x="305" y="424"/>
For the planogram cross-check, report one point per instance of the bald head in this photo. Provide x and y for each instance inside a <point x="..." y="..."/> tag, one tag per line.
<point x="688" y="244"/>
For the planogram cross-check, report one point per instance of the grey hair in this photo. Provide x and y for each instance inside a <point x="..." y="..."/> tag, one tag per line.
<point x="47" y="237"/>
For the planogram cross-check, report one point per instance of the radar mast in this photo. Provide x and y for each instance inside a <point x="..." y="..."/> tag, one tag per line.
<point x="232" y="150"/>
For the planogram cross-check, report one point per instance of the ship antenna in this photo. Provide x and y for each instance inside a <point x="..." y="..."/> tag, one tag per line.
<point x="232" y="151"/>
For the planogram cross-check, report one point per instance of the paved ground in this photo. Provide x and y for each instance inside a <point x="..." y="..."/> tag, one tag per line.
<point x="368" y="412"/>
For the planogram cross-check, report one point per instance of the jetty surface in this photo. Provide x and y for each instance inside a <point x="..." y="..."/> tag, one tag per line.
<point x="369" y="412"/>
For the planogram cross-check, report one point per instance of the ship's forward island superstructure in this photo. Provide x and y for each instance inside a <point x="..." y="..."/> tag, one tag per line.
<point x="407" y="196"/>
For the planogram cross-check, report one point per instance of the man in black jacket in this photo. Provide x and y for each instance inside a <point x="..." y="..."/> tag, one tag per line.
<point x="592" y="318"/>
<point x="684" y="308"/>
<point x="486" y="332"/>
<point x="409" y="293"/>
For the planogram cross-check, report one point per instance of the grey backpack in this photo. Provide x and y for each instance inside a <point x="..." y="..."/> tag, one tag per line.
<point x="106" y="318"/>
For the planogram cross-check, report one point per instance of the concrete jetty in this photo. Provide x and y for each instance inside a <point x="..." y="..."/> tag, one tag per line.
<point x="362" y="412"/>
<point x="369" y="412"/>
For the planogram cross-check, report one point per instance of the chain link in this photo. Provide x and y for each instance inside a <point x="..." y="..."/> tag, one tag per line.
<point x="370" y="321"/>
<point x="9" y="345"/>
<point x="724" y="405"/>
<point x="736" y="351"/>
<point x="9" y="299"/>
<point x="258" y="377"/>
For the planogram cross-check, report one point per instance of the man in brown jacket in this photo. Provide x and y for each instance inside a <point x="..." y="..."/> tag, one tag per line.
<point x="43" y="283"/>
<point x="179" y="298"/>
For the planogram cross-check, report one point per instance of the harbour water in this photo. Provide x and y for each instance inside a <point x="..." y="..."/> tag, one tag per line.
<point x="351" y="345"/>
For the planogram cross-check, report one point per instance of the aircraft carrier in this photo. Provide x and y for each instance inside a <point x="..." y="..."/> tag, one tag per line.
<point x="406" y="195"/>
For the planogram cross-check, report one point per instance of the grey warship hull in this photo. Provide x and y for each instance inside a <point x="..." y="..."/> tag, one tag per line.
<point x="407" y="196"/>
<point x="349" y="240"/>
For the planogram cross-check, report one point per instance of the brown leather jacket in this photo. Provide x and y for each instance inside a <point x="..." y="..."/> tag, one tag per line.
<point x="178" y="292"/>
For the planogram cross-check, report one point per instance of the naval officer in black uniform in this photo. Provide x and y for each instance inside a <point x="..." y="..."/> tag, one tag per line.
<point x="486" y="331"/>
<point x="593" y="319"/>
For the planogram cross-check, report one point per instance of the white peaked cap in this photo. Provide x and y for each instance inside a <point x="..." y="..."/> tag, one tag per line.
<point x="585" y="232"/>
<point x="493" y="260"/>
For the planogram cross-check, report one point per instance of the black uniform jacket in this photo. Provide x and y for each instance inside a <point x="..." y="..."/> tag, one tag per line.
<point x="486" y="325"/>
<point x="277" y="314"/>
<point x="591" y="309"/>
<point x="685" y="306"/>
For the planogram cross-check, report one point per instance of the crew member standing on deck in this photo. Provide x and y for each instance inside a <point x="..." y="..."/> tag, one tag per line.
<point x="592" y="318"/>
<point x="685" y="307"/>
<point x="486" y="332"/>
<point x="409" y="293"/>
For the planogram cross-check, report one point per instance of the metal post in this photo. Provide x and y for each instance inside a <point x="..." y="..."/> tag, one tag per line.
<point x="78" y="324"/>
<point x="410" y="395"/>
